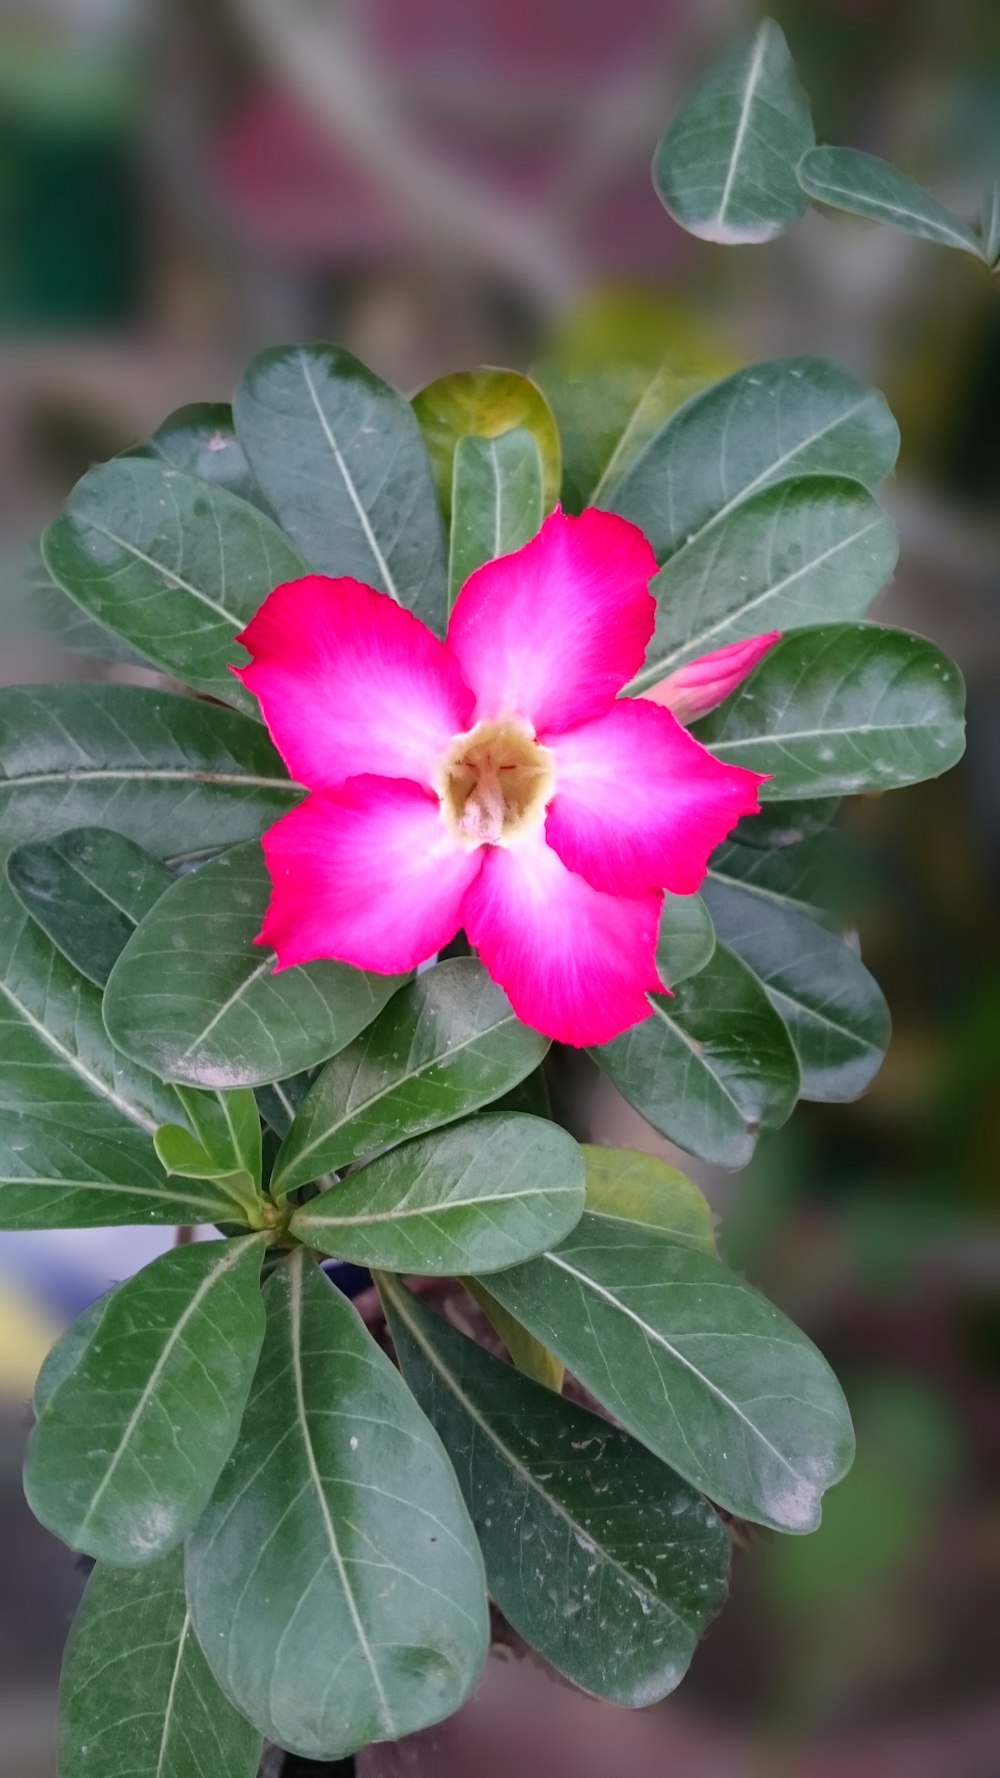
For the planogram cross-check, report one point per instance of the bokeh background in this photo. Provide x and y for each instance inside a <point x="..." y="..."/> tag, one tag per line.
<point x="437" y="184"/>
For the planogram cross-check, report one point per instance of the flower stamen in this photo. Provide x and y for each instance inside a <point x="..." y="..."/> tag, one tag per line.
<point x="495" y="783"/>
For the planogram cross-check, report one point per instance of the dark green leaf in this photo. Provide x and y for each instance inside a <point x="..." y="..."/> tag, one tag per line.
<point x="713" y="1067"/>
<point x="175" y="565"/>
<point x="601" y="1558"/>
<point x="63" y="1358"/>
<point x="443" y="1047"/>
<point x="843" y="709"/>
<point x="129" y="1445"/>
<point x="137" y="1699"/>
<point x="767" y="424"/>
<point x="176" y="776"/>
<point x="694" y="1364"/>
<point x="193" y="997"/>
<point x="833" y="1009"/>
<point x="643" y="1192"/>
<point x="87" y="889"/>
<point x="787" y="824"/>
<point x="76" y="1118"/>
<point x="496" y="501"/>
<point x="810" y="878"/>
<point x="725" y="169"/>
<point x="280" y="1100"/>
<point x="483" y="1195"/>
<point x="687" y="938"/>
<point x="338" y="456"/>
<point x="617" y="369"/>
<point x="201" y="440"/>
<point x="991" y="222"/>
<point x="51" y="612"/>
<point x="797" y="554"/>
<point x="335" y="1581"/>
<point x="849" y="180"/>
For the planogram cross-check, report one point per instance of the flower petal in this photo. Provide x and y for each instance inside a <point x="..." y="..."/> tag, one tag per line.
<point x="694" y="690"/>
<point x="350" y="683"/>
<point x="367" y="874"/>
<point x="639" y="802"/>
<point x="552" y="632"/>
<point x="574" y="963"/>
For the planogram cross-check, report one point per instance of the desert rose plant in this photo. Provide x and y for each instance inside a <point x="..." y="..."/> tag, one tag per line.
<point x="517" y="715"/>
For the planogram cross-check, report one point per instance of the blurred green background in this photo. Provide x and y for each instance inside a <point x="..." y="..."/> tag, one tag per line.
<point x="437" y="184"/>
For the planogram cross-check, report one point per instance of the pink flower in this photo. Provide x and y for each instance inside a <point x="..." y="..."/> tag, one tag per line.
<point x="493" y="782"/>
<point x="698" y="687"/>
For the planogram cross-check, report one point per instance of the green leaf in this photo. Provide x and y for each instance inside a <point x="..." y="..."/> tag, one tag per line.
<point x="527" y="1353"/>
<point x="833" y="1009"/>
<point x="787" y="824"/>
<point x="485" y="1194"/>
<point x="793" y="555"/>
<point x="725" y="169"/>
<point x="76" y="1118"/>
<point x="226" y="1147"/>
<point x="335" y="1581"/>
<point x="842" y="709"/>
<point x="136" y="1698"/>
<point x="867" y="186"/>
<point x="444" y="1046"/>
<point x="805" y="879"/>
<point x="194" y="998"/>
<point x="280" y="1100"/>
<point x="51" y="612"/>
<point x="65" y="1355"/>
<point x="201" y="440"/>
<point x="617" y="369"/>
<point x="691" y="1361"/>
<point x="601" y="1558"/>
<point x="87" y="889"/>
<point x="767" y="424"/>
<point x="686" y="940"/>
<point x="131" y="1442"/>
<point x="712" y="1067"/>
<point x="496" y="504"/>
<point x="175" y="565"/>
<point x="485" y="404"/>
<point x="176" y="776"/>
<point x="338" y="456"/>
<point x="643" y="1192"/>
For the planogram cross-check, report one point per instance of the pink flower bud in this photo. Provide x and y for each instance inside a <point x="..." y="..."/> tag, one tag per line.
<point x="696" y="689"/>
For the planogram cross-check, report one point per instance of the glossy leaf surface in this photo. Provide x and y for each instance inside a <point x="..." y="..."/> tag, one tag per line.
<point x="444" y="1046"/>
<point x="76" y="1117"/>
<point x="642" y="1191"/>
<point x="713" y="1067"/>
<point x="195" y="999"/>
<point x="129" y="1445"/>
<point x="474" y="1198"/>
<point x="601" y="1558"/>
<point x="496" y="504"/>
<point x="767" y="424"/>
<point x="867" y="186"/>
<point x="801" y="553"/>
<point x="137" y="1699"/>
<point x="87" y="889"/>
<point x="176" y="776"/>
<point x="843" y="709"/>
<point x="691" y="1361"/>
<point x="833" y="1009"/>
<point x="175" y="565"/>
<point x="201" y="440"/>
<point x="337" y="1543"/>
<point x="725" y="169"/>
<point x="338" y="456"/>
<point x="687" y="938"/>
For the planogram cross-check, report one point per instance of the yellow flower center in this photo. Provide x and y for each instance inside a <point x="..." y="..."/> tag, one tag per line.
<point x="495" y="783"/>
